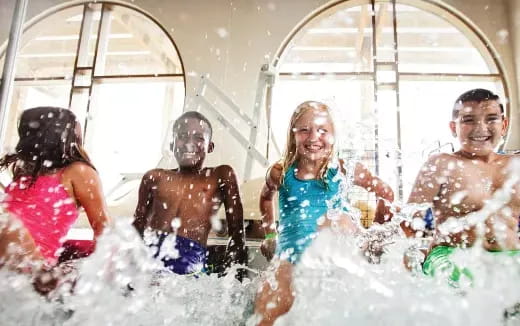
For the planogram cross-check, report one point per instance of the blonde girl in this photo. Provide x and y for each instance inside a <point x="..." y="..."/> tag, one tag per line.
<point x="306" y="183"/>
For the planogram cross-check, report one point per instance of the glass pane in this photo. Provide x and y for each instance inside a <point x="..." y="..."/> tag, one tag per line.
<point x="425" y="114"/>
<point x="351" y="101"/>
<point x="83" y="77"/>
<point x="386" y="76"/>
<point x="430" y="44"/>
<point x="127" y="125"/>
<point x="387" y="152"/>
<point x="134" y="45"/>
<point x="339" y="40"/>
<point x="30" y="95"/>
<point x="79" y="103"/>
<point x="48" y="49"/>
<point x="87" y="48"/>
<point x="385" y="50"/>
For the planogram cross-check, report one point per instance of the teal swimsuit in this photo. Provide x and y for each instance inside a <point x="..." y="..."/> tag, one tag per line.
<point x="301" y="203"/>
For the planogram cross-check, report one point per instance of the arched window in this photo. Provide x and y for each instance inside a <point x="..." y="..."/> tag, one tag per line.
<point x="117" y="69"/>
<point x="391" y="72"/>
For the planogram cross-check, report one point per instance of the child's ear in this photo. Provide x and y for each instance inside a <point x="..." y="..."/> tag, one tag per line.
<point x="211" y="147"/>
<point x="505" y="124"/>
<point x="453" y="128"/>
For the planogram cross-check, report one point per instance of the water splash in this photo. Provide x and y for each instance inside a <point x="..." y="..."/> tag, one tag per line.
<point x="334" y="284"/>
<point x="119" y="284"/>
<point x="343" y="288"/>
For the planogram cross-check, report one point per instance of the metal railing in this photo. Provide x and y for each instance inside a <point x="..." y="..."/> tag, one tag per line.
<point x="249" y="142"/>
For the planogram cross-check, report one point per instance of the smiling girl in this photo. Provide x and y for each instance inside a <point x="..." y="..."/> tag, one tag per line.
<point x="305" y="181"/>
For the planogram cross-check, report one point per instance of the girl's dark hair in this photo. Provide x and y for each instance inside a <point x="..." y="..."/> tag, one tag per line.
<point x="48" y="141"/>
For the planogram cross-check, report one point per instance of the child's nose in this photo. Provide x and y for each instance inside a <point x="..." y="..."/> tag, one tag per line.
<point x="315" y="134"/>
<point x="481" y="124"/>
<point x="189" y="145"/>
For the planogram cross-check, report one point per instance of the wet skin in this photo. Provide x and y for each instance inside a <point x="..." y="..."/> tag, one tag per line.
<point x="460" y="183"/>
<point x="314" y="139"/>
<point x="192" y="194"/>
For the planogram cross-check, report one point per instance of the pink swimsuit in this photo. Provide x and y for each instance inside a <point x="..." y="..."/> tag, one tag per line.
<point x="46" y="210"/>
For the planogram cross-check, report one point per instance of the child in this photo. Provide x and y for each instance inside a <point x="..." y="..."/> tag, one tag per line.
<point x="460" y="183"/>
<point x="53" y="176"/>
<point x="18" y="252"/>
<point x="188" y="198"/>
<point x="304" y="181"/>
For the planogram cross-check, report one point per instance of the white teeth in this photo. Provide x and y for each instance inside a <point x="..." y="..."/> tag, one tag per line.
<point x="479" y="138"/>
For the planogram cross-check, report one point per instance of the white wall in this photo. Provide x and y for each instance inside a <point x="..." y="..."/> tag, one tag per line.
<point x="256" y="29"/>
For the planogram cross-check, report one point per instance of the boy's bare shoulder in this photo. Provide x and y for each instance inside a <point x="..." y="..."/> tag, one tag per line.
<point x="508" y="157"/>
<point x="223" y="172"/>
<point x="508" y="161"/>
<point x="441" y="160"/>
<point x="218" y="171"/>
<point x="222" y="169"/>
<point x="157" y="174"/>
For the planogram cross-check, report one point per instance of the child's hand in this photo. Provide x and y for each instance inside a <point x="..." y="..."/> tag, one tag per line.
<point x="49" y="278"/>
<point x="267" y="248"/>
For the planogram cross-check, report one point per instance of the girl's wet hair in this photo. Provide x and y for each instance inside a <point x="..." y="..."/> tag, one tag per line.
<point x="475" y="95"/>
<point x="290" y="155"/>
<point x="48" y="141"/>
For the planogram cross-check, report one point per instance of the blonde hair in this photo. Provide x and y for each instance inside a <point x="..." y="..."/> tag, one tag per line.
<point x="290" y="155"/>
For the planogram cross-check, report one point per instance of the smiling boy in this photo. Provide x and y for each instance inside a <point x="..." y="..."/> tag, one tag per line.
<point x="188" y="198"/>
<point x="463" y="182"/>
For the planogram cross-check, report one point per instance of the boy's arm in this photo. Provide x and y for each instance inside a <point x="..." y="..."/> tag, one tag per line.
<point x="144" y="203"/>
<point x="426" y="185"/>
<point x="270" y="188"/>
<point x="425" y="188"/>
<point x="236" y="251"/>
<point x="364" y="178"/>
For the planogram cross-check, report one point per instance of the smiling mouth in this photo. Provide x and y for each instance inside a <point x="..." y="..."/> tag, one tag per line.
<point x="480" y="138"/>
<point x="313" y="148"/>
<point x="189" y="153"/>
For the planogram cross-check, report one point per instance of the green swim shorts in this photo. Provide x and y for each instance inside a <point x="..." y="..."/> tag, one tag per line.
<point x="438" y="260"/>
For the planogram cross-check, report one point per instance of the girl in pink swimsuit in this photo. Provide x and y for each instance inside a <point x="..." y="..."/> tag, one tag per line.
<point x="53" y="176"/>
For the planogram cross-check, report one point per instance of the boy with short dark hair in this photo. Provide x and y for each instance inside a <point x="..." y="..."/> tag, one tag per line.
<point x="461" y="183"/>
<point x="187" y="199"/>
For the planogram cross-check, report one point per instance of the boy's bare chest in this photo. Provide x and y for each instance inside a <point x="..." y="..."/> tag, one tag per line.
<point x="467" y="189"/>
<point x="188" y="191"/>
